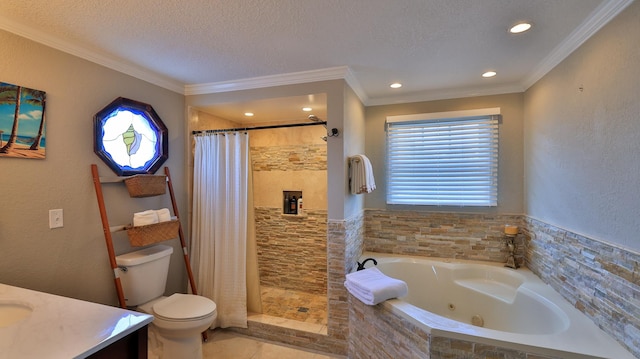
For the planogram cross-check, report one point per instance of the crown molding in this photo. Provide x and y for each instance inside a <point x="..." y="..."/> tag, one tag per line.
<point x="353" y="82"/>
<point x="332" y="73"/>
<point x="598" y="18"/>
<point x="12" y="26"/>
<point x="445" y="94"/>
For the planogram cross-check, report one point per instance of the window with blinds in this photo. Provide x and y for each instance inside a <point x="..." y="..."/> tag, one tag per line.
<point x="443" y="159"/>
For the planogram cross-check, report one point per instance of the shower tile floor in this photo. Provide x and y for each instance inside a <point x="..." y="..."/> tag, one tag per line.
<point x="294" y="305"/>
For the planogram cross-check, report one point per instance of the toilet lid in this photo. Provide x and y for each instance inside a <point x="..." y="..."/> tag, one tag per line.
<point x="184" y="306"/>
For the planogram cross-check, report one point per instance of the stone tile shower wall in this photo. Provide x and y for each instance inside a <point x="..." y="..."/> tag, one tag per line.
<point x="345" y="241"/>
<point x="599" y="279"/>
<point x="292" y="250"/>
<point x="289" y="158"/>
<point x="436" y="234"/>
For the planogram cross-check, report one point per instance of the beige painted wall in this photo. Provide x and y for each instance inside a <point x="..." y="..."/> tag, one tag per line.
<point x="73" y="261"/>
<point x="510" y="167"/>
<point x="353" y="137"/>
<point x="582" y="137"/>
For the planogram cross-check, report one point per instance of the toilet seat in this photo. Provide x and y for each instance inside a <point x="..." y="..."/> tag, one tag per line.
<point x="184" y="307"/>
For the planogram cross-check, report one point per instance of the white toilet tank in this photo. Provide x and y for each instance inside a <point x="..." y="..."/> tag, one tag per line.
<point x="143" y="273"/>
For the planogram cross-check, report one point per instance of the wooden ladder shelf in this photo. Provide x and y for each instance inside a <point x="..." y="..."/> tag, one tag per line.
<point x="97" y="182"/>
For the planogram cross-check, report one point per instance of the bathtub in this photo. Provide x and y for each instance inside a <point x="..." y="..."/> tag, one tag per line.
<point x="487" y="303"/>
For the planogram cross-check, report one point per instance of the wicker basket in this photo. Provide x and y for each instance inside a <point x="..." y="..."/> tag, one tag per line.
<point x="153" y="233"/>
<point x="146" y="185"/>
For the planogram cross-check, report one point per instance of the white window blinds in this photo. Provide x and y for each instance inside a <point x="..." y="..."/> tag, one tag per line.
<point x="443" y="159"/>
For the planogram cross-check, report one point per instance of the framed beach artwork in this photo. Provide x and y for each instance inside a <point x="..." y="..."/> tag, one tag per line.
<point x="22" y="122"/>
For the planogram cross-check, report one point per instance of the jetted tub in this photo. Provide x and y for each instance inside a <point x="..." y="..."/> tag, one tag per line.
<point x="487" y="303"/>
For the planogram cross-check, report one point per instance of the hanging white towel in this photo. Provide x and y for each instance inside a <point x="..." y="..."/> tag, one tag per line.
<point x="371" y="286"/>
<point x="362" y="180"/>
<point x="145" y="218"/>
<point x="163" y="215"/>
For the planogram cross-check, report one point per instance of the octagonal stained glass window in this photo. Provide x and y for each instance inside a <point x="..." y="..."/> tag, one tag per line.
<point x="130" y="137"/>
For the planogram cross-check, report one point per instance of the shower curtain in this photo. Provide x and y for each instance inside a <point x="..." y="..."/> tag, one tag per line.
<point x="220" y="226"/>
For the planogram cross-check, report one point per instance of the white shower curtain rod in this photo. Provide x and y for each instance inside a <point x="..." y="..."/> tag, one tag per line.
<point x="260" y="127"/>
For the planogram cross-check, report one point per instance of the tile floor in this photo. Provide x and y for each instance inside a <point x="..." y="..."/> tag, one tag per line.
<point x="294" y="305"/>
<point x="223" y="344"/>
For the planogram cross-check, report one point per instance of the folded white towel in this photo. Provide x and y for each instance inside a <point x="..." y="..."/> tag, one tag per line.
<point x="371" y="286"/>
<point x="362" y="180"/>
<point x="163" y="215"/>
<point x="145" y="218"/>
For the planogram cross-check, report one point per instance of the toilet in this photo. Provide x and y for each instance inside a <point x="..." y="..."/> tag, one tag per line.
<point x="180" y="318"/>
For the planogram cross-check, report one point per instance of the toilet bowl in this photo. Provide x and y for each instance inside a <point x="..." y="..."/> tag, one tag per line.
<point x="178" y="320"/>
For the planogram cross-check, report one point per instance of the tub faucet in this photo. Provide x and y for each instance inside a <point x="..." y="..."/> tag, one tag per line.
<point x="511" y="258"/>
<point x="361" y="265"/>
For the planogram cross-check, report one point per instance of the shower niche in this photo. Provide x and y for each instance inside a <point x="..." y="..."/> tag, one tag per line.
<point x="292" y="203"/>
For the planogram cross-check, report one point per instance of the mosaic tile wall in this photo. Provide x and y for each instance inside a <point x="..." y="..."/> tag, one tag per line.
<point x="289" y="158"/>
<point x="433" y="234"/>
<point x="599" y="279"/>
<point x="292" y="250"/>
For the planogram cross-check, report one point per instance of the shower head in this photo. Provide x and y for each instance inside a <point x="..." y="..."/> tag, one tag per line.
<point x="315" y="118"/>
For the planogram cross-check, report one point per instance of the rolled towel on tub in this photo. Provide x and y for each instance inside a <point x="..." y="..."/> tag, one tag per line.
<point x="371" y="286"/>
<point x="145" y="218"/>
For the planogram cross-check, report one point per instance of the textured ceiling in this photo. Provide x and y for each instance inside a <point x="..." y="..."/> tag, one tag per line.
<point x="436" y="48"/>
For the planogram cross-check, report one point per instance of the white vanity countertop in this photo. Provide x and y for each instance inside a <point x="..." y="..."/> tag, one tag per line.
<point x="61" y="327"/>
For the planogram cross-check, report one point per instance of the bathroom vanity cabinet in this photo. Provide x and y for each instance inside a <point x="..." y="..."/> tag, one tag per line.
<point x="51" y="326"/>
<point x="131" y="346"/>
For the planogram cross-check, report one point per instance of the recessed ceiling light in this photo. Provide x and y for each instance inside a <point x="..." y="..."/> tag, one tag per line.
<point x="306" y="109"/>
<point x="248" y="114"/>
<point x="520" y="27"/>
<point x="395" y="85"/>
<point x="489" y="74"/>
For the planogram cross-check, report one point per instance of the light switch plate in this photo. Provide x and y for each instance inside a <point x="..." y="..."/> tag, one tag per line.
<point x="55" y="218"/>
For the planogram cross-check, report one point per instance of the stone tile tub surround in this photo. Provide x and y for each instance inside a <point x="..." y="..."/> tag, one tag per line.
<point x="440" y="234"/>
<point x="378" y="333"/>
<point x="601" y="280"/>
<point x="520" y="314"/>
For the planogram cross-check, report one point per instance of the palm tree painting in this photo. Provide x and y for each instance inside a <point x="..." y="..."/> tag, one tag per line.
<point x="22" y="122"/>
